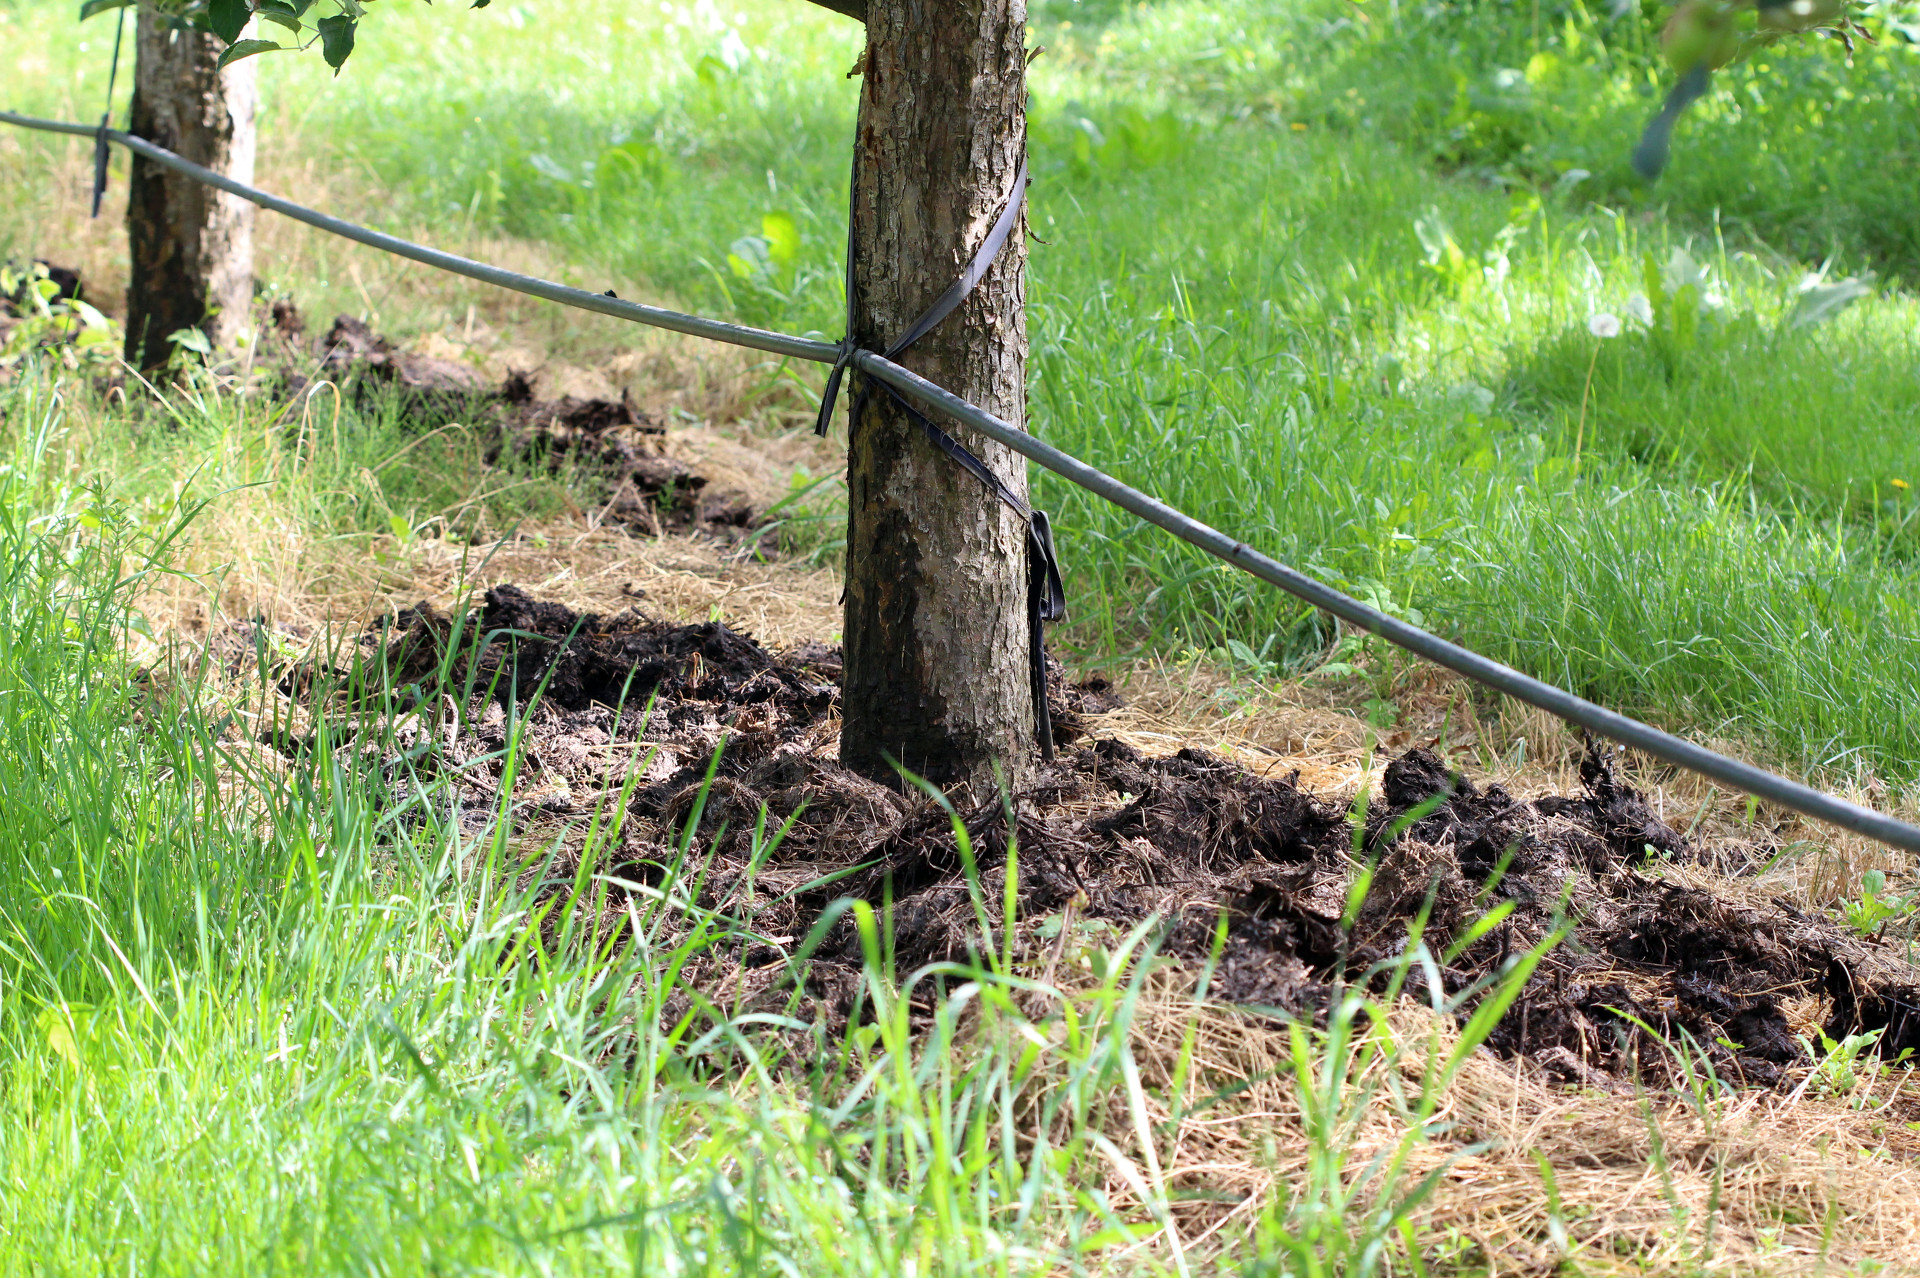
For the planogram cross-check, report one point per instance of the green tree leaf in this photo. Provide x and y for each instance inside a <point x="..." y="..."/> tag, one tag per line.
<point x="92" y="7"/>
<point x="245" y="49"/>
<point x="228" y="18"/>
<point x="191" y="339"/>
<point x="281" y="12"/>
<point x="748" y="257"/>
<point x="336" y="40"/>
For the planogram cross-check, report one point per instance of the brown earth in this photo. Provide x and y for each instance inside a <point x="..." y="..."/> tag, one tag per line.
<point x="623" y="714"/>
<point x="611" y="443"/>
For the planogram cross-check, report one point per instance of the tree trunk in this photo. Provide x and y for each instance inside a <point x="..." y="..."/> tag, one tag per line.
<point x="936" y="669"/>
<point x="191" y="246"/>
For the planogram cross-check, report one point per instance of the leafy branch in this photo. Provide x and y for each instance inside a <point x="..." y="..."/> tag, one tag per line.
<point x="334" y="32"/>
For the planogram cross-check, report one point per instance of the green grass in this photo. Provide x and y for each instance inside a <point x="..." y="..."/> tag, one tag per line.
<point x="1251" y="388"/>
<point x="1302" y="335"/>
<point x="291" y="1018"/>
<point x="268" y="1019"/>
<point x="259" y="1020"/>
<point x="1293" y="333"/>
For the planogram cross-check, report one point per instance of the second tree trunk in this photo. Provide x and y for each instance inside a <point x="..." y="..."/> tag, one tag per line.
<point x="190" y="246"/>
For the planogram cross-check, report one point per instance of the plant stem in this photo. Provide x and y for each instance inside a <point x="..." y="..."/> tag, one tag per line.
<point x="1580" y="434"/>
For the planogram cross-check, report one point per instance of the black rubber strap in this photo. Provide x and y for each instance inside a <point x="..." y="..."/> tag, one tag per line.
<point x="1053" y="596"/>
<point x="956" y="450"/>
<point x="943" y="305"/>
<point x="977" y="268"/>
<point x="1046" y="601"/>
<point x="847" y="348"/>
<point x="1046" y="592"/>
<point x="106" y="118"/>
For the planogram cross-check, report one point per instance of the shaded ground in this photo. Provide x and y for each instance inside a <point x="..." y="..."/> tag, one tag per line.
<point x="608" y="441"/>
<point x="1107" y="838"/>
<point x="35" y="310"/>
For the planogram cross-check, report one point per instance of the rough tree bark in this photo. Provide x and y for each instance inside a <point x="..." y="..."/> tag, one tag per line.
<point x="935" y="635"/>
<point x="191" y="246"/>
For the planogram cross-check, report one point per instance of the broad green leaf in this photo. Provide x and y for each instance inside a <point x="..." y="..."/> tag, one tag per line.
<point x="336" y="40"/>
<point x="783" y="238"/>
<point x="748" y="257"/>
<point x="1681" y="271"/>
<point x="629" y="164"/>
<point x="228" y="18"/>
<point x="246" y="49"/>
<point x="281" y="12"/>
<point x="191" y="339"/>
<point x="547" y="166"/>
<point x="1818" y="303"/>
<point x="92" y="7"/>
<point x="1435" y="238"/>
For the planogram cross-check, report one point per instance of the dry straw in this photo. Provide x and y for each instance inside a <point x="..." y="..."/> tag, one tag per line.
<point x="1612" y="1177"/>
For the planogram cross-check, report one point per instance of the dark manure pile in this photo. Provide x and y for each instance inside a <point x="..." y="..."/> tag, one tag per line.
<point x="626" y="714"/>
<point x="611" y="443"/>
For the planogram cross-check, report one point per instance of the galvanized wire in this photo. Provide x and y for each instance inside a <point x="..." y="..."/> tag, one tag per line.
<point x="1730" y="772"/>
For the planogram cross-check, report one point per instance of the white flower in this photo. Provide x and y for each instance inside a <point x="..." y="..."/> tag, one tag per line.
<point x="1601" y="324"/>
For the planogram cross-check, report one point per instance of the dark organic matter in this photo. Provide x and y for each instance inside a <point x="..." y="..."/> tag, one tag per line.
<point x="1109" y="838"/>
<point x="609" y="445"/>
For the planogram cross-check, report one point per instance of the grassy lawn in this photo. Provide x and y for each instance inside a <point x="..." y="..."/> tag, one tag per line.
<point x="1320" y="274"/>
<point x="1236" y="309"/>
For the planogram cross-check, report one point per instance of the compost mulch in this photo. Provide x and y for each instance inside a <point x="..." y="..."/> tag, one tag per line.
<point x="1107" y="838"/>
<point x="611" y="442"/>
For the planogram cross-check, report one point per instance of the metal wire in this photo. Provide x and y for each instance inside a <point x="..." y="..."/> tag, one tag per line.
<point x="1503" y="678"/>
<point x="717" y="330"/>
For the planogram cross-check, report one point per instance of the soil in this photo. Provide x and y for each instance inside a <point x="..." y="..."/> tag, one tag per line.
<point x="625" y="712"/>
<point x="14" y="305"/>
<point x="351" y="352"/>
<point x="610" y="444"/>
<point x="66" y="283"/>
